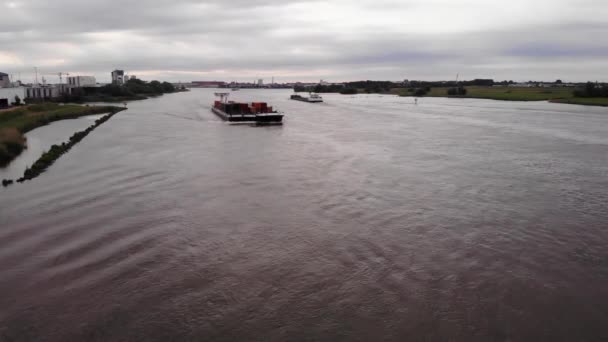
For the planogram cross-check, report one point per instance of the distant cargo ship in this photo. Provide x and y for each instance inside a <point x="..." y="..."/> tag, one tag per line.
<point x="256" y="112"/>
<point x="313" y="98"/>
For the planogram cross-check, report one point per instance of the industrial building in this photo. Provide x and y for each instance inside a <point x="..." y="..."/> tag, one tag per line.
<point x="81" y="81"/>
<point x="118" y="77"/>
<point x="38" y="91"/>
<point x="5" y="81"/>
<point x="207" y="84"/>
<point x="8" y="90"/>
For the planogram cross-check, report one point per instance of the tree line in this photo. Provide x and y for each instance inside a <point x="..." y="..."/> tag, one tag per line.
<point x="421" y="88"/>
<point x="350" y="87"/>
<point x="132" y="89"/>
<point x="591" y="89"/>
<point x="136" y="86"/>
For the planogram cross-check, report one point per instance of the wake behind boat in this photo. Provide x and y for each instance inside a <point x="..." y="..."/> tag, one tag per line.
<point x="256" y="112"/>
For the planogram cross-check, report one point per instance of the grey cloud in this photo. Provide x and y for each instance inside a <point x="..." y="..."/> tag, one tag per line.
<point x="557" y="51"/>
<point x="336" y="40"/>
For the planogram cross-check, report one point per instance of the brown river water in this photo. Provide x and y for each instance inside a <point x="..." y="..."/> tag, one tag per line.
<point x="365" y="218"/>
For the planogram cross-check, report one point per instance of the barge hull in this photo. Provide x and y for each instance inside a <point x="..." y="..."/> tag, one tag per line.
<point x="306" y="99"/>
<point x="260" y="119"/>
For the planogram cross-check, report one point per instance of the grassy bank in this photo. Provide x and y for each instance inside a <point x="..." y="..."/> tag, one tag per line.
<point x="117" y="99"/>
<point x="80" y="99"/>
<point x="585" y="101"/>
<point x="14" y="123"/>
<point x="108" y="98"/>
<point x="558" y="95"/>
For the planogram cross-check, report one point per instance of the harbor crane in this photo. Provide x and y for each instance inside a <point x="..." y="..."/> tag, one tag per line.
<point x="60" y="74"/>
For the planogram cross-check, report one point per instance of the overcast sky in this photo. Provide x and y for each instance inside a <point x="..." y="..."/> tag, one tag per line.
<point x="307" y="40"/>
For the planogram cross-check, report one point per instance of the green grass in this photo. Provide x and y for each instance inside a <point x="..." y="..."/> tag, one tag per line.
<point x="586" y="101"/>
<point x="16" y="122"/>
<point x="557" y="95"/>
<point x="108" y="98"/>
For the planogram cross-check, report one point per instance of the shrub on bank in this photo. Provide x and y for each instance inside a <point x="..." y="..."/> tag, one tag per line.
<point x="457" y="91"/>
<point x="12" y="143"/>
<point x="421" y="91"/>
<point x="592" y="90"/>
<point x="348" y="91"/>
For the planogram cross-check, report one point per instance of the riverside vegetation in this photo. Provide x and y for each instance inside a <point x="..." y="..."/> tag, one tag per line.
<point x="14" y="123"/>
<point x="589" y="93"/>
<point x="582" y="96"/>
<point x="349" y="87"/>
<point x="133" y="89"/>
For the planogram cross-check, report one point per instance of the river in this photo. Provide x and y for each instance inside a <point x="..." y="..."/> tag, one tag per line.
<point x="41" y="139"/>
<point x="363" y="218"/>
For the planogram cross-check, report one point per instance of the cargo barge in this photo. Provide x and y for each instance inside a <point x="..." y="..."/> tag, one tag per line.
<point x="313" y="98"/>
<point x="256" y="112"/>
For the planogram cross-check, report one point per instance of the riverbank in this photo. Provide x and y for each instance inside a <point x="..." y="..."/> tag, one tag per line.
<point x="111" y="99"/>
<point x="133" y="91"/>
<point x="14" y="123"/>
<point x="585" y="101"/>
<point x="136" y="97"/>
<point x="556" y="95"/>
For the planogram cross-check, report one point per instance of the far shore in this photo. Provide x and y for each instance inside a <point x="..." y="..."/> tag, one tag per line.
<point x="136" y="97"/>
<point x="554" y="95"/>
<point x="111" y="99"/>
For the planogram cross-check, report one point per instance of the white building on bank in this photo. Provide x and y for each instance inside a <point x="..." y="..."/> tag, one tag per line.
<point x="41" y="92"/>
<point x="47" y="91"/>
<point x="7" y="95"/>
